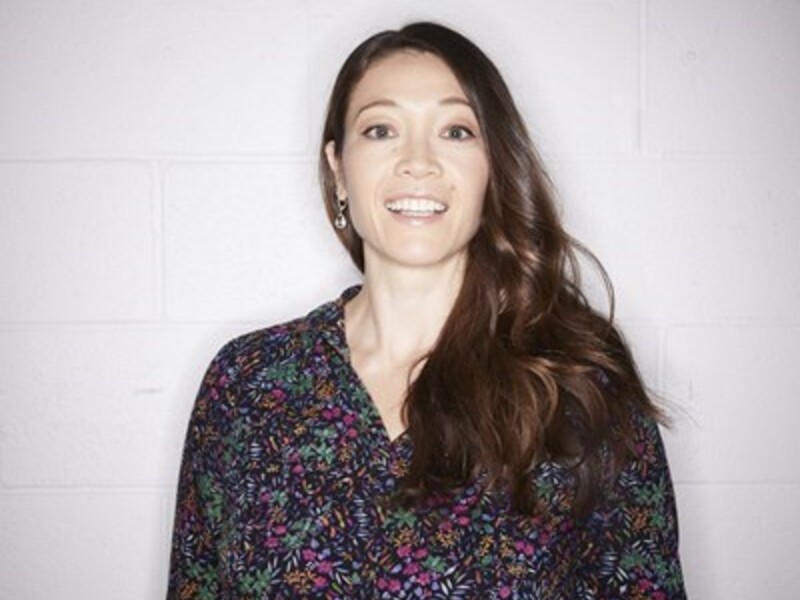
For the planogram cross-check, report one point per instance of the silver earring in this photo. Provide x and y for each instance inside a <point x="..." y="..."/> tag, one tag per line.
<point x="340" y="222"/>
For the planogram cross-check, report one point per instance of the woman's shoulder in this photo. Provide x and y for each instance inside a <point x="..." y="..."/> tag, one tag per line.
<point x="286" y="342"/>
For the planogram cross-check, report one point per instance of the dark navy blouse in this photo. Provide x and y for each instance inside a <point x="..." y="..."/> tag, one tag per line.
<point x="287" y="468"/>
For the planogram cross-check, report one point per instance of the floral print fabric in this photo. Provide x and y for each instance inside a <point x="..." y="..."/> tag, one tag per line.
<point x="286" y="474"/>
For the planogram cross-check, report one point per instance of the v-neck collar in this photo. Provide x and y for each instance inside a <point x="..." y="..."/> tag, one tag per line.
<point x="329" y="320"/>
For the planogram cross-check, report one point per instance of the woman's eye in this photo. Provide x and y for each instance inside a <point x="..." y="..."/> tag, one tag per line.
<point x="458" y="132"/>
<point x="377" y="132"/>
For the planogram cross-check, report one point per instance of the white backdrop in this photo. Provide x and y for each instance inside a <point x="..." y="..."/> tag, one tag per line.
<point x="158" y="196"/>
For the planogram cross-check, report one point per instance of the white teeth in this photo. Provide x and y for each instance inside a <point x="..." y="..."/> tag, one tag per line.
<point x="416" y="206"/>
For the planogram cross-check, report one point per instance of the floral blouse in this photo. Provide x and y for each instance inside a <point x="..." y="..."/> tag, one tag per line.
<point x="287" y="468"/>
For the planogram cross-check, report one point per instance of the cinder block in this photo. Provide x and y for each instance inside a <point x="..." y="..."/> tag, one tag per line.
<point x="739" y="541"/>
<point x="605" y="205"/>
<point x="722" y="77"/>
<point x="736" y="388"/>
<point x="690" y="240"/>
<point x="76" y="242"/>
<point x="117" y="78"/>
<point x="249" y="242"/>
<point x="572" y="66"/>
<point x="99" y="407"/>
<point x="83" y="545"/>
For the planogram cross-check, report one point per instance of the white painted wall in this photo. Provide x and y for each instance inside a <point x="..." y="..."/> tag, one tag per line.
<point x="157" y="196"/>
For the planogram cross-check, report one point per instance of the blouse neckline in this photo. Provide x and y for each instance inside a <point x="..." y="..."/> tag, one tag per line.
<point x="331" y="321"/>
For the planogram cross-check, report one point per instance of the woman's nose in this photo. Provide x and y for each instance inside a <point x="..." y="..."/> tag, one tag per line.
<point x="418" y="158"/>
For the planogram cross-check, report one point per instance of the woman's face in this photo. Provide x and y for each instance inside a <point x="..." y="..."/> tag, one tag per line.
<point x="413" y="163"/>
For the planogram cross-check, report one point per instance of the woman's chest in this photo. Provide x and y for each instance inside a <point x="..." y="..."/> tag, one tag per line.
<point x="309" y="515"/>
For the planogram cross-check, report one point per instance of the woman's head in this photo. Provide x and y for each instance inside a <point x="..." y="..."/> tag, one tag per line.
<point x="507" y="150"/>
<point x="412" y="165"/>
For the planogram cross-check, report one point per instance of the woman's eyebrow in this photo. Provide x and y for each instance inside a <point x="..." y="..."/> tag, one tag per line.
<point x="373" y="104"/>
<point x="391" y="103"/>
<point x="456" y="100"/>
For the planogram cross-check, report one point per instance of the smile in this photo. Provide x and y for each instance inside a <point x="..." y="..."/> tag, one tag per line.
<point x="416" y="207"/>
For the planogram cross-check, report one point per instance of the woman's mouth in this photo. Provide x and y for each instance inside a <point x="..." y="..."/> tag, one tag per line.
<point x="416" y="207"/>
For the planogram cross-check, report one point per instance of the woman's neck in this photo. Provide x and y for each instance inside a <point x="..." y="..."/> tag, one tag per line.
<point x="399" y="313"/>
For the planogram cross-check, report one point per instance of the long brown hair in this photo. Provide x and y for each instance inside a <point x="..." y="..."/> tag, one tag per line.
<point x="524" y="370"/>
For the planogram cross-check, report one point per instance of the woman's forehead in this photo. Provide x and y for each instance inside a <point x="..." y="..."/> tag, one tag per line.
<point x="406" y="78"/>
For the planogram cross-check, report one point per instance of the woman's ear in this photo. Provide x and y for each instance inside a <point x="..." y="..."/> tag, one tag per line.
<point x="334" y="166"/>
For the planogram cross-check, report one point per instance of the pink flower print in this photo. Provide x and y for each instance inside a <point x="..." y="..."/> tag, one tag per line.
<point x="524" y="547"/>
<point x="325" y="566"/>
<point x="544" y="538"/>
<point x="332" y="414"/>
<point x="309" y="554"/>
<point x="505" y="591"/>
<point x="404" y="551"/>
<point x="395" y="585"/>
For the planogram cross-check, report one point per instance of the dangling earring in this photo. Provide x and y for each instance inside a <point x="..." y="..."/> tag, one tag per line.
<point x="340" y="222"/>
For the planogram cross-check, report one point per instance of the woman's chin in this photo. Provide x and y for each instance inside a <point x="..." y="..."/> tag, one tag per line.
<point x="420" y="256"/>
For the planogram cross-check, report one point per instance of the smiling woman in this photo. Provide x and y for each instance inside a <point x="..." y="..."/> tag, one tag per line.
<point x="461" y="425"/>
<point x="413" y="165"/>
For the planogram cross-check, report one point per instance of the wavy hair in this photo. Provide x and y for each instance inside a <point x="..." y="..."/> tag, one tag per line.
<point x="524" y="370"/>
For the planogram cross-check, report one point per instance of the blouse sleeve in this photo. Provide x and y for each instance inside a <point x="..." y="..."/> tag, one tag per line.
<point x="194" y="560"/>
<point x="633" y="551"/>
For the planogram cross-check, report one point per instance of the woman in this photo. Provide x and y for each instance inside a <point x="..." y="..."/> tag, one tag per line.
<point x="462" y="425"/>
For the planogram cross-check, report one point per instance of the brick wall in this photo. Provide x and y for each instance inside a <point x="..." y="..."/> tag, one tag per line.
<point x="158" y="196"/>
